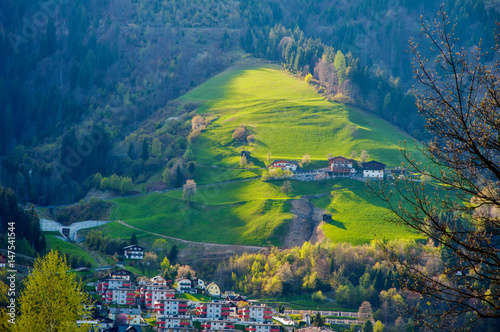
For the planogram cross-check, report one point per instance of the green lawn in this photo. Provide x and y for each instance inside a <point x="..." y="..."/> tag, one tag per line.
<point x="288" y="118"/>
<point x="64" y="247"/>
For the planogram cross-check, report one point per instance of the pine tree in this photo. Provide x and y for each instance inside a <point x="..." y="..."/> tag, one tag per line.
<point x="145" y="150"/>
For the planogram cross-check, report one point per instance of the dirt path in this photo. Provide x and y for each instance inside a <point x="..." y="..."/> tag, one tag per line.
<point x="305" y="225"/>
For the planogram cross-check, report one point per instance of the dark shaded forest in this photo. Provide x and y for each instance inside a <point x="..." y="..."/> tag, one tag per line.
<point x="89" y="87"/>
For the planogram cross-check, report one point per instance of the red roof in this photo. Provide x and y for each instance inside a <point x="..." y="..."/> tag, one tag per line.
<point x="340" y="160"/>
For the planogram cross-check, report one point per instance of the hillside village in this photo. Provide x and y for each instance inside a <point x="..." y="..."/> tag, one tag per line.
<point x="125" y="302"/>
<point x="337" y="167"/>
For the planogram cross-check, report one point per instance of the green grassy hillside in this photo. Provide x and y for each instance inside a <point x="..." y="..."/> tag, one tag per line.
<point x="53" y="242"/>
<point x="258" y="213"/>
<point x="288" y="118"/>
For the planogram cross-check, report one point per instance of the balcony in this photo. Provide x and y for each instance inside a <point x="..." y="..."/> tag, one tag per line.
<point x="268" y="312"/>
<point x="183" y="305"/>
<point x="184" y="323"/>
<point x="275" y="330"/>
<point x="182" y="310"/>
<point x="205" y="325"/>
<point x="268" y="317"/>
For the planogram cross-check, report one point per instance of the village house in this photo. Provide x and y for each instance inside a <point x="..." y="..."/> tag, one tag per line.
<point x="373" y="169"/>
<point x="262" y="328"/>
<point x="213" y="310"/>
<point x="217" y="325"/>
<point x="340" y="166"/>
<point x="122" y="296"/>
<point x="133" y="252"/>
<point x="183" y="285"/>
<point x="104" y="285"/>
<point x="150" y="293"/>
<point x="170" y="321"/>
<point x="198" y="283"/>
<point x="171" y="307"/>
<point x="121" y="274"/>
<point x="213" y="290"/>
<point x="285" y="165"/>
<point x="158" y="280"/>
<point x="255" y="313"/>
<point x="133" y="315"/>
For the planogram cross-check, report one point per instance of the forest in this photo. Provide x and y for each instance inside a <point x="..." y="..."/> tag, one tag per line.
<point x="83" y="94"/>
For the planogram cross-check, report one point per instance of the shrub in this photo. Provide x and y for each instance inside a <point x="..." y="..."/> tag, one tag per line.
<point x="239" y="132"/>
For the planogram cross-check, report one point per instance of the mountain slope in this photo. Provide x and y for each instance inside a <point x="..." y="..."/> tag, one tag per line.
<point x="288" y="119"/>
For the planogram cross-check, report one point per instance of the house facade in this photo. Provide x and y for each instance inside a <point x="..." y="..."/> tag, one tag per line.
<point x="213" y="290"/>
<point x="262" y="328"/>
<point x="151" y="293"/>
<point x="183" y="285"/>
<point x="133" y="252"/>
<point x="254" y="313"/>
<point x="121" y="274"/>
<point x="341" y="166"/>
<point x="285" y="165"/>
<point x="217" y="325"/>
<point x="171" y="307"/>
<point x="213" y="310"/>
<point x="373" y="169"/>
<point x="133" y="315"/>
<point x="170" y="322"/>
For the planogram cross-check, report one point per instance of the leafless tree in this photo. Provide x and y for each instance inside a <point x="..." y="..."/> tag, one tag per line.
<point x="456" y="210"/>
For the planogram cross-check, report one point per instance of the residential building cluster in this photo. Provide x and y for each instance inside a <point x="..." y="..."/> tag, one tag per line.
<point x="174" y="314"/>
<point x="344" y="167"/>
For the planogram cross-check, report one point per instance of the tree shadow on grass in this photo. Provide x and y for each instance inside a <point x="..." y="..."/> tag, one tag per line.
<point x="337" y="224"/>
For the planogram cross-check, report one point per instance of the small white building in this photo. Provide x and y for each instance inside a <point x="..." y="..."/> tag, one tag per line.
<point x="133" y="252"/>
<point x="199" y="283"/>
<point x="373" y="169"/>
<point x="285" y="165"/>
<point x="183" y="285"/>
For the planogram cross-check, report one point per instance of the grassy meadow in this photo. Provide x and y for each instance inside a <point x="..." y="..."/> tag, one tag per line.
<point x="53" y="242"/>
<point x="256" y="213"/>
<point x="288" y="119"/>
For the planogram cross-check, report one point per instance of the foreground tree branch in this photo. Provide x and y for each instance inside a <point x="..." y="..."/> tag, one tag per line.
<point x="458" y="211"/>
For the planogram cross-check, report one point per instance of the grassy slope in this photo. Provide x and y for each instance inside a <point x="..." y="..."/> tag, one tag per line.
<point x="288" y="118"/>
<point x="254" y="212"/>
<point x="64" y="247"/>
